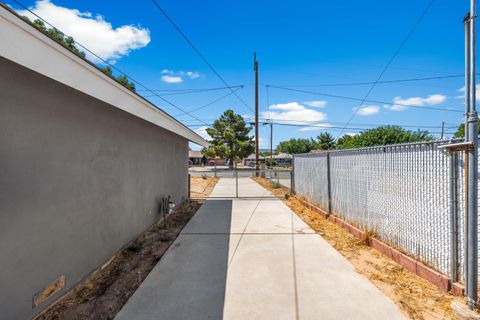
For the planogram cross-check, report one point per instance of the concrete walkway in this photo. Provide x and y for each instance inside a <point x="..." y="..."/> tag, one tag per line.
<point x="254" y="259"/>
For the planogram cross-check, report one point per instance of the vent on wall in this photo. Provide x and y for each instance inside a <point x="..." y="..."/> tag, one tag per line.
<point x="42" y="296"/>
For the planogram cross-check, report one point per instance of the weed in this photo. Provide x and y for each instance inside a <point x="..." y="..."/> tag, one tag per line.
<point x="276" y="184"/>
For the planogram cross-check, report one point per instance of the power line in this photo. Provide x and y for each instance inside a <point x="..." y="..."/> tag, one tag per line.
<point x="193" y="90"/>
<point x="377" y="82"/>
<point x="199" y="91"/>
<point x="208" y="104"/>
<point x="391" y="59"/>
<point x="364" y="100"/>
<point x="320" y="126"/>
<point x="310" y="123"/>
<point x="109" y="64"/>
<point x="198" y="52"/>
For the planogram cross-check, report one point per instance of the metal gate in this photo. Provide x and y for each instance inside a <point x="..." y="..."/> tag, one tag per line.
<point x="234" y="183"/>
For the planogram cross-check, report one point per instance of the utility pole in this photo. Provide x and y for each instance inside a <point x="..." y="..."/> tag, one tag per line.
<point x="472" y="157"/>
<point x="257" y="142"/>
<point x="443" y="129"/>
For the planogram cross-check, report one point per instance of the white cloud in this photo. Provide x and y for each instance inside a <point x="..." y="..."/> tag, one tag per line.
<point x="171" y="76"/>
<point x="192" y="75"/>
<point x="202" y="132"/>
<point x="400" y="104"/>
<point x="287" y="106"/>
<point x="294" y="113"/>
<point x="92" y="31"/>
<point x="172" y="79"/>
<point x="316" y="103"/>
<point x="477" y="92"/>
<point x="366" y="110"/>
<point x="317" y="127"/>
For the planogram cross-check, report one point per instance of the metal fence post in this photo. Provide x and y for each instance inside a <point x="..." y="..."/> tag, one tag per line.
<point x="329" y="184"/>
<point x="454" y="261"/>
<point x="292" y="176"/>
<point x="236" y="183"/>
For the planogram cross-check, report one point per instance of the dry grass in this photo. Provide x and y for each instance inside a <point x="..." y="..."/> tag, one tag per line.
<point x="201" y="187"/>
<point x="416" y="297"/>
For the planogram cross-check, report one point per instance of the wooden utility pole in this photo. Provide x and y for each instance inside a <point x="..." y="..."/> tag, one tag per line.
<point x="257" y="142"/>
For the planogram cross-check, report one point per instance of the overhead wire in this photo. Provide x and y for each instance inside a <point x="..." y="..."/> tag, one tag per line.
<point x="363" y="100"/>
<point x="184" y="36"/>
<point x="373" y="82"/>
<point x="186" y="91"/>
<point x="404" y="41"/>
<point x="109" y="64"/>
<point x="320" y="126"/>
<point x="208" y="104"/>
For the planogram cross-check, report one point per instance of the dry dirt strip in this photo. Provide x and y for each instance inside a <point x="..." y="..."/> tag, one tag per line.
<point x="254" y="259"/>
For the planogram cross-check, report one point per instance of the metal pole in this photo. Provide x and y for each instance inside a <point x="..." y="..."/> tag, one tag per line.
<point x="292" y="176"/>
<point x="454" y="215"/>
<point x="189" y="186"/>
<point x="466" y="22"/>
<point x="236" y="183"/>
<point x="443" y="130"/>
<point x="472" y="210"/>
<point x="257" y="138"/>
<point x="329" y="185"/>
<point x="271" y="144"/>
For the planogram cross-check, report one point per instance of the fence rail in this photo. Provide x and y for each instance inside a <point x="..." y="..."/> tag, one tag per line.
<point x="410" y="195"/>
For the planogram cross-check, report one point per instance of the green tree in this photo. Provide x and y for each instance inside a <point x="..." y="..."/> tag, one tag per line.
<point x="57" y="35"/>
<point x="294" y="146"/>
<point x="108" y="71"/>
<point x="382" y="135"/>
<point x="460" y="133"/>
<point x="124" y="80"/>
<point x="325" y="141"/>
<point x="121" y="79"/>
<point x="229" y="138"/>
<point x="69" y="43"/>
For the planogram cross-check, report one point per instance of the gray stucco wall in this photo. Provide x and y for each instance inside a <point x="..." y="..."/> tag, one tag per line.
<point x="78" y="180"/>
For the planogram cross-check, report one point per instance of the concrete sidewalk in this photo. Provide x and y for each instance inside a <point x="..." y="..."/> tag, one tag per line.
<point x="254" y="259"/>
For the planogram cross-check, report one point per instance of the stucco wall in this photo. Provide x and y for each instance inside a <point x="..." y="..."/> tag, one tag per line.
<point x="78" y="180"/>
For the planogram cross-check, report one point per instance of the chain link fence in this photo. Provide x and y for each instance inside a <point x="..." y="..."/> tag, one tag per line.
<point x="402" y="193"/>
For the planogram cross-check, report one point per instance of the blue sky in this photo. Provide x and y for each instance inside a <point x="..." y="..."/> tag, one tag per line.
<point x="298" y="43"/>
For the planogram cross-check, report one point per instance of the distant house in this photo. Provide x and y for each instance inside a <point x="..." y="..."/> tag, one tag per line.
<point x="250" y="160"/>
<point x="197" y="158"/>
<point x="282" y="159"/>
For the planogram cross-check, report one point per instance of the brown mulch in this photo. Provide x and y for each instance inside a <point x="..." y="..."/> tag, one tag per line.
<point x="102" y="294"/>
<point x="416" y="297"/>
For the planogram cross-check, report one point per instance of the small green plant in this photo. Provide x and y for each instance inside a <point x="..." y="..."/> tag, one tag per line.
<point x="275" y="184"/>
